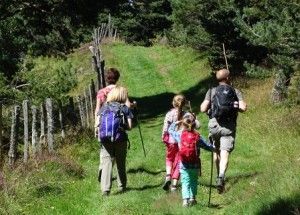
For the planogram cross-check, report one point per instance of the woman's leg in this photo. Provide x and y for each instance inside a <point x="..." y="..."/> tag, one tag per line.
<point x="121" y="151"/>
<point x="107" y="165"/>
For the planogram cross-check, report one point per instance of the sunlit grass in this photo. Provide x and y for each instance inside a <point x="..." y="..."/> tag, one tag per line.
<point x="263" y="175"/>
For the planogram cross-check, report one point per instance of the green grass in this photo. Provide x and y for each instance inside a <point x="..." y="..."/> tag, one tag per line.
<point x="263" y="175"/>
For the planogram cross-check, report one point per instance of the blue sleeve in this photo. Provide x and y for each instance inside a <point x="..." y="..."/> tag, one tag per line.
<point x="175" y="134"/>
<point x="205" y="144"/>
<point x="127" y="111"/>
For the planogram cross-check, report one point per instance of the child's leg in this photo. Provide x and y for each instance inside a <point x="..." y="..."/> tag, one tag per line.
<point x="193" y="182"/>
<point x="175" y="174"/>
<point x="185" y="183"/>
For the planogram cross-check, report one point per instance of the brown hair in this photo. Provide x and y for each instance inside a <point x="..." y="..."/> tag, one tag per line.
<point x="178" y="103"/>
<point x="188" y="123"/>
<point x="112" y="76"/>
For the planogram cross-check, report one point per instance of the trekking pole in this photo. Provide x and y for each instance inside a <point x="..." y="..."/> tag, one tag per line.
<point x="211" y="173"/>
<point x="138" y="124"/>
<point x="224" y="53"/>
<point x="190" y="107"/>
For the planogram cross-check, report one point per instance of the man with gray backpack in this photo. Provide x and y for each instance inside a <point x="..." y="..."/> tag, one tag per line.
<point x="222" y="103"/>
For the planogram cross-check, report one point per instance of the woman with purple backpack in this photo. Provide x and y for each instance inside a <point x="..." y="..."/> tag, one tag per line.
<point x="115" y="119"/>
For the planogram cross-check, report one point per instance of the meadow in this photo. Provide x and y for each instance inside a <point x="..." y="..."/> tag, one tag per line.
<point x="263" y="175"/>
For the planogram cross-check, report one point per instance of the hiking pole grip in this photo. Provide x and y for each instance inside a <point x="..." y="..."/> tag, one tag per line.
<point x="138" y="124"/>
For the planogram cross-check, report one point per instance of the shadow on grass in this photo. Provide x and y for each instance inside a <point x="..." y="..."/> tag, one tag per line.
<point x="152" y="106"/>
<point x="143" y="170"/>
<point x="232" y="180"/>
<point x="289" y="206"/>
<point x="145" y="187"/>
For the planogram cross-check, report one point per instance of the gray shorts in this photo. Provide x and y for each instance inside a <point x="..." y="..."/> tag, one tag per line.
<point x="223" y="138"/>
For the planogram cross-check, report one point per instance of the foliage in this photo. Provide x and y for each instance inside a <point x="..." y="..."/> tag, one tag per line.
<point x="263" y="33"/>
<point x="48" y="77"/>
<point x="140" y="21"/>
<point x="42" y="28"/>
<point x="265" y="133"/>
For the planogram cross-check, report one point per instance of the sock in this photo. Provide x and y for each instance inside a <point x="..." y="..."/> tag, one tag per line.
<point x="168" y="177"/>
<point x="221" y="175"/>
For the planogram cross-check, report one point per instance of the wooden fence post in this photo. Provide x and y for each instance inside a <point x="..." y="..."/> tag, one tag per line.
<point x="12" y="153"/>
<point x="86" y="103"/>
<point x="34" y="134"/>
<point x="26" y="133"/>
<point x="61" y="119"/>
<point x="50" y="125"/>
<point x="42" y="122"/>
<point x="81" y="112"/>
<point x="102" y="71"/>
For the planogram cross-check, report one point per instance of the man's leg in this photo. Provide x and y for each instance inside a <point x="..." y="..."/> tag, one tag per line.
<point x="217" y="161"/>
<point x="226" y="146"/>
<point x="224" y="158"/>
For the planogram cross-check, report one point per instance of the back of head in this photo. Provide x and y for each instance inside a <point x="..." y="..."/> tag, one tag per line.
<point x="118" y="94"/>
<point x="188" y="123"/>
<point x="222" y="75"/>
<point x="178" y="103"/>
<point x="112" y="76"/>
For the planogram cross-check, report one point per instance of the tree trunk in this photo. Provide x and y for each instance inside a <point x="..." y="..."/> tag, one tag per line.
<point x="12" y="153"/>
<point x="279" y="91"/>
<point x="26" y="133"/>
<point x="50" y="125"/>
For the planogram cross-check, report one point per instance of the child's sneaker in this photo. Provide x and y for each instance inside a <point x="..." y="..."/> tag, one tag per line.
<point x="185" y="203"/>
<point x="167" y="184"/>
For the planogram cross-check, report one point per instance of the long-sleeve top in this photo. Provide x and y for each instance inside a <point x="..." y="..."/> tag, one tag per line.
<point x="202" y="143"/>
<point x="171" y="117"/>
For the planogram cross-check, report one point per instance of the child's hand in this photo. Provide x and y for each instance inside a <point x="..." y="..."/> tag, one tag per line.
<point x="177" y="122"/>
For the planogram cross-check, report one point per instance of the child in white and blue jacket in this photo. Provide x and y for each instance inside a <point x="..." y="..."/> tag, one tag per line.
<point x="189" y="171"/>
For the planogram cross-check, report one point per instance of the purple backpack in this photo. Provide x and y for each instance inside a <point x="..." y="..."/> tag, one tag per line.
<point x="112" y="123"/>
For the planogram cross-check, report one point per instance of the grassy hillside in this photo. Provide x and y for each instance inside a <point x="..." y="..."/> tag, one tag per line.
<point x="263" y="175"/>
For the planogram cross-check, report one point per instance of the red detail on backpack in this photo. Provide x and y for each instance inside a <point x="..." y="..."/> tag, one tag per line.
<point x="188" y="151"/>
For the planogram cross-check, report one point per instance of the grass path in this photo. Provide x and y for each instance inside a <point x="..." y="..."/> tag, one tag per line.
<point x="263" y="176"/>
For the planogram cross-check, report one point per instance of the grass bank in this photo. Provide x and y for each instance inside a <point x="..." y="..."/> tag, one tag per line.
<point x="263" y="175"/>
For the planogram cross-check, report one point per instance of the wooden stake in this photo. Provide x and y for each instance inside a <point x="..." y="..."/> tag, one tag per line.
<point x="224" y="53"/>
<point x="34" y="134"/>
<point x="12" y="153"/>
<point x="26" y="133"/>
<point x="50" y="125"/>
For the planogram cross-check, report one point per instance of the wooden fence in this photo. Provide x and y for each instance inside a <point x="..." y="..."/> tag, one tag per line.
<point x="51" y="118"/>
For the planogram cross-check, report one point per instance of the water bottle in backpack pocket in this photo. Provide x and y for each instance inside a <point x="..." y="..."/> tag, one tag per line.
<point x="112" y="123"/>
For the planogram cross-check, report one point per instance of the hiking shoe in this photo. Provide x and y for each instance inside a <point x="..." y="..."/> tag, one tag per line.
<point x="192" y="202"/>
<point x="220" y="184"/>
<point x="167" y="184"/>
<point x="185" y="203"/>
<point x="105" y="193"/>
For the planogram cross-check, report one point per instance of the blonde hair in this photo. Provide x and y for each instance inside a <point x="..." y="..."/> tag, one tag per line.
<point x="117" y="94"/>
<point x="222" y="74"/>
<point x="178" y="103"/>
